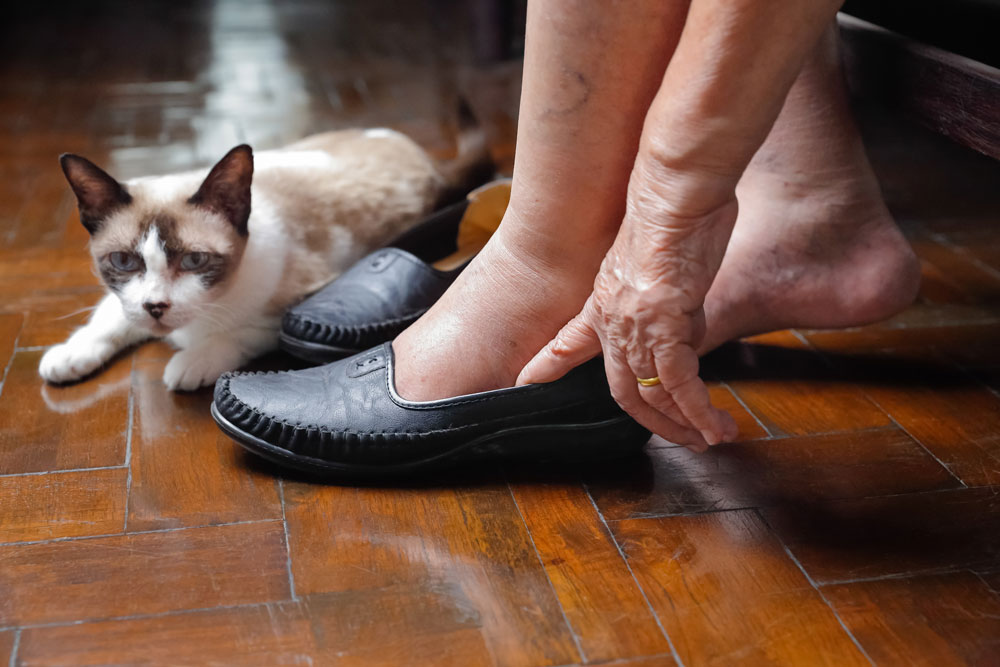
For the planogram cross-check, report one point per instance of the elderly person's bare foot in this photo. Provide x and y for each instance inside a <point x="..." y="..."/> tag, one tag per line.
<point x="503" y="308"/>
<point x="814" y="245"/>
<point x="820" y="254"/>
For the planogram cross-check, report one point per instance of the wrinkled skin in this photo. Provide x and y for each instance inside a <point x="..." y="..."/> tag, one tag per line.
<point x="647" y="312"/>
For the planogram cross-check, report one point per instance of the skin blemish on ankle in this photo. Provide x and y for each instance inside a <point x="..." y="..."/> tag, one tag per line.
<point x="572" y="91"/>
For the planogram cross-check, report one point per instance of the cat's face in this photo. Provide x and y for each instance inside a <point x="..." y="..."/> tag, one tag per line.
<point x="165" y="252"/>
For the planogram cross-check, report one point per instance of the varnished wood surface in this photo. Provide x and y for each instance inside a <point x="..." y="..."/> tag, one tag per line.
<point x="944" y="619"/>
<point x="181" y="463"/>
<point x="597" y="590"/>
<point x="727" y="593"/>
<point x="154" y="572"/>
<point x="856" y="520"/>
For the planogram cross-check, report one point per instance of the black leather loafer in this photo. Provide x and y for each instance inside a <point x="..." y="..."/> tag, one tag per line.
<point x="378" y="297"/>
<point x="346" y="418"/>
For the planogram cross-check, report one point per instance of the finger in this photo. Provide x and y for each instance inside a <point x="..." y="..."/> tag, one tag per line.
<point x="643" y="366"/>
<point x="575" y="343"/>
<point x="625" y="391"/>
<point x="694" y="402"/>
<point x="661" y="401"/>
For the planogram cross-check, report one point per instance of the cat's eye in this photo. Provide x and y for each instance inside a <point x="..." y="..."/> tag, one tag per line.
<point x="124" y="261"/>
<point x="193" y="261"/>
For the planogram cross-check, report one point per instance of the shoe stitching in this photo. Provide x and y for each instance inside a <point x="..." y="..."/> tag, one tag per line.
<point x="304" y="459"/>
<point x="321" y="429"/>
<point x="355" y="331"/>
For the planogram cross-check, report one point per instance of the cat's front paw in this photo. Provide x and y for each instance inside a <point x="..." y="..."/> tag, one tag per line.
<point x="199" y="366"/>
<point x="73" y="361"/>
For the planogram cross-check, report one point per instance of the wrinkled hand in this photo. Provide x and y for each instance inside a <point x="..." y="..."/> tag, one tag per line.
<point x="647" y="314"/>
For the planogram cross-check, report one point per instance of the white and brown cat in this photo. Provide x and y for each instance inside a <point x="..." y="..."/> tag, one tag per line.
<point x="187" y="258"/>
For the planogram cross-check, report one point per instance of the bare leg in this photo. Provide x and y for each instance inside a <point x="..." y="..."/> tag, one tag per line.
<point x="814" y="245"/>
<point x="589" y="77"/>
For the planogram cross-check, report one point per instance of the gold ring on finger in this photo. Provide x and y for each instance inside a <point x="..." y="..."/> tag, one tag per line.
<point x="648" y="382"/>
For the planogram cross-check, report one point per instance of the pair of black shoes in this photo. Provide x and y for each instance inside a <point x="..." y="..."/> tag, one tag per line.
<point x="346" y="418"/>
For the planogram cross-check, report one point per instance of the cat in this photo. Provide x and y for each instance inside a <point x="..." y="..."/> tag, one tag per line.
<point x="186" y="258"/>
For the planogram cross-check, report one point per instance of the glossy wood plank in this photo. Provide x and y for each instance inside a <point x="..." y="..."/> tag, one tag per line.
<point x="74" y="234"/>
<point x="786" y="471"/>
<point x="936" y="286"/>
<point x="416" y="623"/>
<point x="724" y="399"/>
<point x="6" y="646"/>
<point x="665" y="660"/>
<point x="185" y="472"/>
<point x="602" y="601"/>
<point x="67" y="504"/>
<point x="33" y="274"/>
<point x="153" y="350"/>
<point x="727" y="593"/>
<point x="83" y="425"/>
<point x="793" y="391"/>
<point x="264" y="635"/>
<point x="974" y="283"/>
<point x="987" y="253"/>
<point x="919" y="324"/>
<point x="948" y="339"/>
<point x="465" y="548"/>
<point x="339" y="628"/>
<point x="54" y="322"/>
<point x="970" y="226"/>
<point x="96" y="578"/>
<point x="10" y="328"/>
<point x="39" y="219"/>
<point x="937" y="620"/>
<point x="880" y="537"/>
<point x="789" y="338"/>
<point x="951" y="414"/>
<point x="809" y="406"/>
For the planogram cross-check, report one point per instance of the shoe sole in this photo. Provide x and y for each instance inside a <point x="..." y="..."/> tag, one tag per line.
<point x="314" y="352"/>
<point x="586" y="442"/>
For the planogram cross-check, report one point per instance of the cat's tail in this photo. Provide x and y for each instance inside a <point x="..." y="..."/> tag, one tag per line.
<point x="472" y="165"/>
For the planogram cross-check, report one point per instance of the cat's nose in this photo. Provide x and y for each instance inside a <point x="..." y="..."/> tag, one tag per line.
<point x="157" y="309"/>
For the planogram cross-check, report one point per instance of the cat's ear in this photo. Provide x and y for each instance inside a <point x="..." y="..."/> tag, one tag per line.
<point x="97" y="193"/>
<point x="226" y="189"/>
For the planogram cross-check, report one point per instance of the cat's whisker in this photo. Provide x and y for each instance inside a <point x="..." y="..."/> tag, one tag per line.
<point x="74" y="313"/>
<point x="228" y="310"/>
<point x="219" y="306"/>
<point x="221" y="324"/>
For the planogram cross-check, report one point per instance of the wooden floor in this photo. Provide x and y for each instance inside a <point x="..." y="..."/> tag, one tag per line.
<point x="857" y="521"/>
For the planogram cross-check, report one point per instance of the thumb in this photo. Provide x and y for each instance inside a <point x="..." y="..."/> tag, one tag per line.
<point x="575" y="343"/>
